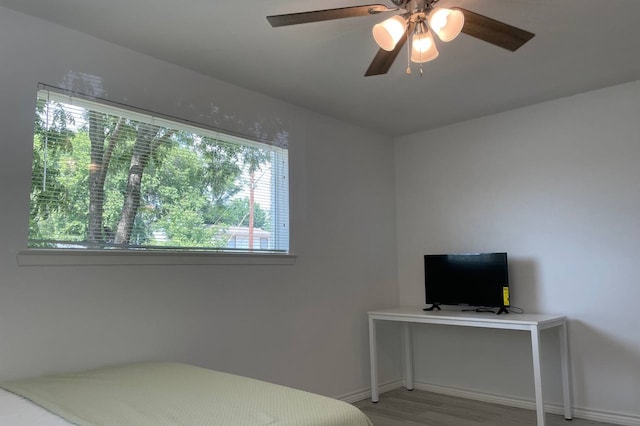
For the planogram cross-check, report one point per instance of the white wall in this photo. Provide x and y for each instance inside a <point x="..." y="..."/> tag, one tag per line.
<point x="557" y="186"/>
<point x="302" y="325"/>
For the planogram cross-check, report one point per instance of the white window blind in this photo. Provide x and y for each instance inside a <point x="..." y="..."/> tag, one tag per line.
<point x="106" y="176"/>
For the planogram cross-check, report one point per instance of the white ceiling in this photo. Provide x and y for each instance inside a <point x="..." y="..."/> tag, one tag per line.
<point x="579" y="45"/>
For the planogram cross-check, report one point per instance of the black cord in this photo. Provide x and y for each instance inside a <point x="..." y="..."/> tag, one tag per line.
<point x="521" y="310"/>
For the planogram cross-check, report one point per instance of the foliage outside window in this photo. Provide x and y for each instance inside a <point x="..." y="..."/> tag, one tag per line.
<point x="105" y="177"/>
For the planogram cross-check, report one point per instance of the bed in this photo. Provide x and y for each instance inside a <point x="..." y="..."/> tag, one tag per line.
<point x="171" y="394"/>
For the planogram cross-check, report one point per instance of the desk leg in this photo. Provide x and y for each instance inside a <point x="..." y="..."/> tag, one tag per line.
<point x="564" y="359"/>
<point x="537" y="374"/>
<point x="373" y="360"/>
<point x="408" y="355"/>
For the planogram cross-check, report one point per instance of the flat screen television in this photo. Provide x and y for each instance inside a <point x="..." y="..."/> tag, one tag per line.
<point x="474" y="279"/>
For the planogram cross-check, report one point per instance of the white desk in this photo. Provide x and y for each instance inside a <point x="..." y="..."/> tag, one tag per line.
<point x="526" y="322"/>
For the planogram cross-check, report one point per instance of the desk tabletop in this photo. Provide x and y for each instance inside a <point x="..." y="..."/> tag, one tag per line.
<point x="416" y="314"/>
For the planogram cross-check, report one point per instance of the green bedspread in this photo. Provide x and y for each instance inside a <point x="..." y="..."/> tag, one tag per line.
<point x="158" y="394"/>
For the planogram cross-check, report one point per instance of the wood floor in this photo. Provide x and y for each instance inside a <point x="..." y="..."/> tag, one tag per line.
<point x="401" y="407"/>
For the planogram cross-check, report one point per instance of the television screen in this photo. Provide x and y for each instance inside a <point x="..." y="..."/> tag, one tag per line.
<point x="477" y="279"/>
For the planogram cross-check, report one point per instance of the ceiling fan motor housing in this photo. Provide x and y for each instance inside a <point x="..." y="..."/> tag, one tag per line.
<point x="415" y="6"/>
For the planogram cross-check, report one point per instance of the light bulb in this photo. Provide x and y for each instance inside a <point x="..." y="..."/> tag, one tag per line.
<point x="447" y="23"/>
<point x="423" y="48"/>
<point x="388" y="33"/>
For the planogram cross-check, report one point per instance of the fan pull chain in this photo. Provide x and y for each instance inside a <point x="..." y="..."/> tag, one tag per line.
<point x="408" y="53"/>
<point x="419" y="29"/>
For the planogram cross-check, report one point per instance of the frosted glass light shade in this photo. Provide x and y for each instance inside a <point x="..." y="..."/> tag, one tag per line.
<point x="387" y="33"/>
<point x="446" y="23"/>
<point x="423" y="48"/>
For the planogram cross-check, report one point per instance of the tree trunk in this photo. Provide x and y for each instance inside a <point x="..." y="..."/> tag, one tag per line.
<point x="139" y="160"/>
<point x="147" y="141"/>
<point x="100" y="159"/>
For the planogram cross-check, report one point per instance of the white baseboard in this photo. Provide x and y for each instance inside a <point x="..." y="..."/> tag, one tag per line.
<point x="366" y="392"/>
<point x="582" y="413"/>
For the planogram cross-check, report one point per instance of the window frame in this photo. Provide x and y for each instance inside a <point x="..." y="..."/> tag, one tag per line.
<point x="75" y="257"/>
<point x="206" y="256"/>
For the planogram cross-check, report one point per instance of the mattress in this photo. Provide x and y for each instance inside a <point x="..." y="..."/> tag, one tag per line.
<point x="17" y="411"/>
<point x="171" y="394"/>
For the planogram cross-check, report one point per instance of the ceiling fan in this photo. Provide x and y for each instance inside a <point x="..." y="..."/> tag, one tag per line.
<point x="418" y="19"/>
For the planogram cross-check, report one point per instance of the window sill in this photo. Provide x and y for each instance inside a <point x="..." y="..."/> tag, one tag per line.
<point x="58" y="257"/>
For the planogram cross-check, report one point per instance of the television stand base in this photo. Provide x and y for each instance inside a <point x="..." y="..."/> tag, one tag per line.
<point x="504" y="310"/>
<point x="435" y="306"/>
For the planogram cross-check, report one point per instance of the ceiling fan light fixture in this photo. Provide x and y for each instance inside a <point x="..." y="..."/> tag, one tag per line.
<point x="388" y="33"/>
<point x="423" y="48"/>
<point x="415" y="17"/>
<point x="447" y="23"/>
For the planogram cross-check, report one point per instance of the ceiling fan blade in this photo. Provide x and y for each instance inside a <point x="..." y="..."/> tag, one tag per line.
<point x="384" y="59"/>
<point x="326" y="15"/>
<point x="494" y="32"/>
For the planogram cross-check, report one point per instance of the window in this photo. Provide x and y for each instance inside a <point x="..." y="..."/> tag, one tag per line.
<point x="106" y="176"/>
